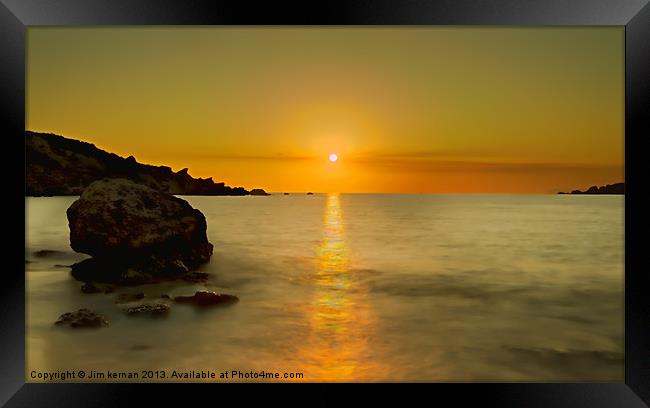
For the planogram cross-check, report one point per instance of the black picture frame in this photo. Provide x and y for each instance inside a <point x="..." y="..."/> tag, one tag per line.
<point x="17" y="15"/>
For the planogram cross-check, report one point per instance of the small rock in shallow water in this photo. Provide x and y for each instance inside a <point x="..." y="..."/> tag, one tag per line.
<point x="45" y="252"/>
<point x="205" y="298"/>
<point x="82" y="318"/>
<point x="195" y="277"/>
<point x="164" y="296"/>
<point x="154" y="310"/>
<point x="129" y="297"/>
<point x="90" y="287"/>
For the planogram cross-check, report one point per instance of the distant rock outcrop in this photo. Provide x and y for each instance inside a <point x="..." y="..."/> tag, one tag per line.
<point x="56" y="165"/>
<point x="617" y="188"/>
<point x="259" y="192"/>
<point x="135" y="234"/>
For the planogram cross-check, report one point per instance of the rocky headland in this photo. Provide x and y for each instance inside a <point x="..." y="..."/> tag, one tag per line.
<point x="57" y="166"/>
<point x="616" y="188"/>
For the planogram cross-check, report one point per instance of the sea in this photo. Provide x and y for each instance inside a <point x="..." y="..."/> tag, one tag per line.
<point x="354" y="287"/>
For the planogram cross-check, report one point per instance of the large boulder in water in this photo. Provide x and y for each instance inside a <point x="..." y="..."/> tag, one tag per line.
<point x="135" y="234"/>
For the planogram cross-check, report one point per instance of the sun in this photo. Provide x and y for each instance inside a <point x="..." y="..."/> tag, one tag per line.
<point x="333" y="157"/>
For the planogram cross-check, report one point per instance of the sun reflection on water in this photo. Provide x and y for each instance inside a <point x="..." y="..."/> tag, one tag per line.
<point x="339" y="316"/>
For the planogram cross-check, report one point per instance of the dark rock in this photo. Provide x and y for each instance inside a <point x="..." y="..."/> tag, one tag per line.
<point x="259" y="192"/>
<point x="195" y="277"/>
<point x="153" y="310"/>
<point x="93" y="270"/>
<point x="135" y="234"/>
<point x="129" y="297"/>
<point x="91" y="287"/>
<point x="617" y="188"/>
<point x="286" y="193"/>
<point x="98" y="270"/>
<point x="45" y="252"/>
<point x="205" y="298"/>
<point x="164" y="296"/>
<point x="310" y="193"/>
<point x="82" y="318"/>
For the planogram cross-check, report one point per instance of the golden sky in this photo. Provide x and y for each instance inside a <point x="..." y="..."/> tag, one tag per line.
<point x="407" y="109"/>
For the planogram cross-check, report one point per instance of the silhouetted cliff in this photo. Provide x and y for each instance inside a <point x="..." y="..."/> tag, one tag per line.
<point x="60" y="166"/>
<point x="617" y="188"/>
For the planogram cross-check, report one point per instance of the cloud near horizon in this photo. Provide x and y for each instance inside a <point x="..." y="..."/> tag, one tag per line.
<point x="429" y="161"/>
<point x="426" y="163"/>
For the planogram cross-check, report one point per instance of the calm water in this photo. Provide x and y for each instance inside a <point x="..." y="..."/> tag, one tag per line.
<point x="363" y="287"/>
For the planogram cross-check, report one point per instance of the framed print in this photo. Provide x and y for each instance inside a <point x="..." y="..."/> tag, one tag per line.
<point x="345" y="192"/>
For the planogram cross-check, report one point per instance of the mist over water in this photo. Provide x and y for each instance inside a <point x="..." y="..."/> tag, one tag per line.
<point x="362" y="287"/>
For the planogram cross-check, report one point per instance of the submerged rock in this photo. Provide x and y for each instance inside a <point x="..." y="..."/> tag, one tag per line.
<point x="97" y="270"/>
<point x="45" y="253"/>
<point x="153" y="310"/>
<point x="109" y="271"/>
<point x="90" y="287"/>
<point x="135" y="234"/>
<point x="195" y="277"/>
<point x="205" y="298"/>
<point x="129" y="297"/>
<point x="82" y="318"/>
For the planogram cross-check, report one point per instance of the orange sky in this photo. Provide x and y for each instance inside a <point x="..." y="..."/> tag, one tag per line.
<point x="411" y="109"/>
